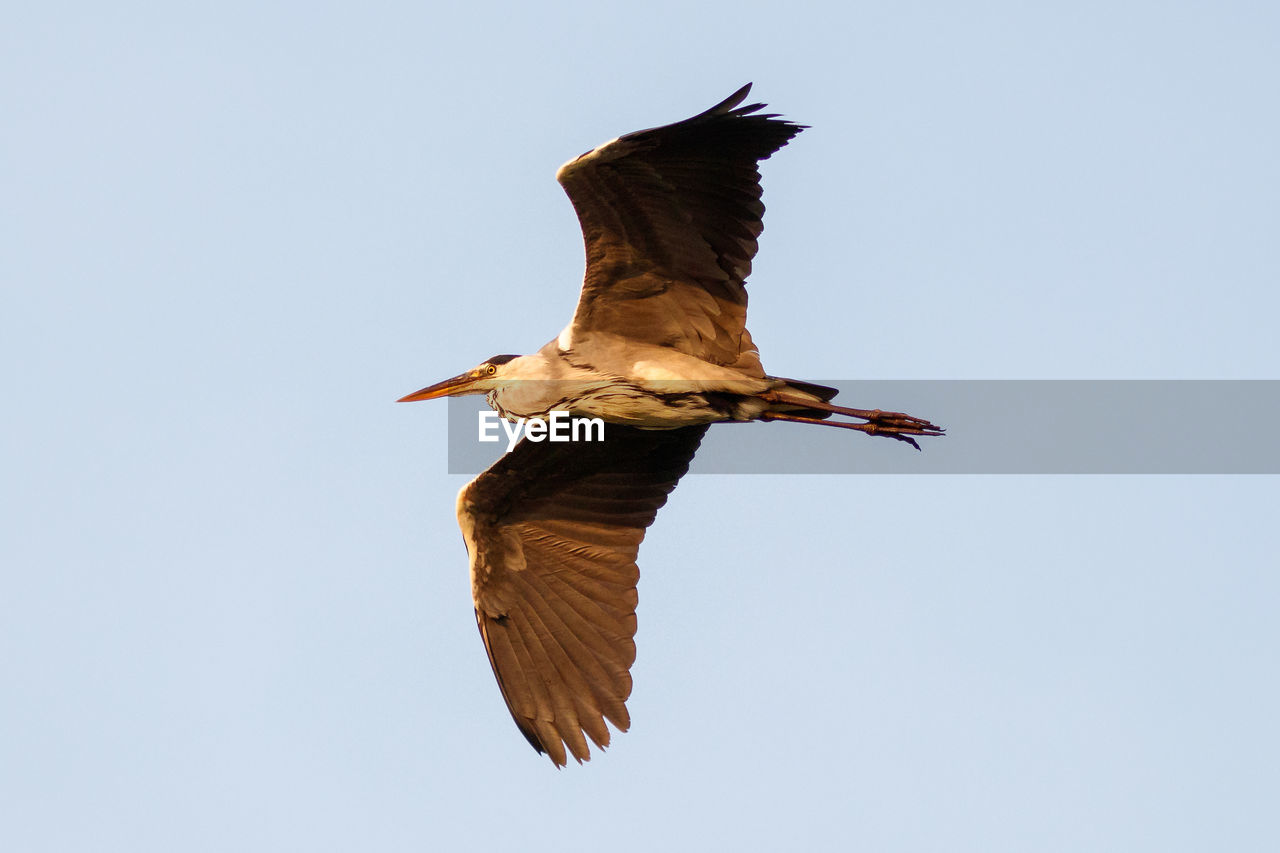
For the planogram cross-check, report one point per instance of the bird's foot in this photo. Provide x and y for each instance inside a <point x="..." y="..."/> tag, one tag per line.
<point x="895" y="425"/>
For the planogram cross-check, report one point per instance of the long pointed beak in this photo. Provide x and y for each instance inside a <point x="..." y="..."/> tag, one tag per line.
<point x="448" y="388"/>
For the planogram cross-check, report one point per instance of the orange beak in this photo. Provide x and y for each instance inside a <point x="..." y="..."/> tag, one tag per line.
<point x="448" y="388"/>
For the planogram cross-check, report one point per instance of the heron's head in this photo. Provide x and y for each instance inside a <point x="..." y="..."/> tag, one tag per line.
<point x="481" y="379"/>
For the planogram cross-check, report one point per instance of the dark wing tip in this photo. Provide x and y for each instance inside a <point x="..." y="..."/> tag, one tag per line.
<point x="729" y="106"/>
<point x="732" y="101"/>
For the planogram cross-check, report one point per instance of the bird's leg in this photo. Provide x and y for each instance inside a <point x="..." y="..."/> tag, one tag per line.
<point x="887" y="419"/>
<point x="894" y="425"/>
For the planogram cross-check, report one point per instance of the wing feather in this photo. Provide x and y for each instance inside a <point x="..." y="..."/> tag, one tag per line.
<point x="581" y="682"/>
<point x="553" y="531"/>
<point x="562" y="687"/>
<point x="671" y="212"/>
<point x="513" y="669"/>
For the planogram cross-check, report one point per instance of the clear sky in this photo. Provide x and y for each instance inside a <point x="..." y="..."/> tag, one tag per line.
<point x="234" y="605"/>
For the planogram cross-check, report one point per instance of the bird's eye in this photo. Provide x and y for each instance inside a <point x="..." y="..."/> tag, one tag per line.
<point x="490" y="369"/>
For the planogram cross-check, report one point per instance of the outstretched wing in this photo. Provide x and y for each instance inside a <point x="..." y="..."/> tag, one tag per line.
<point x="670" y="217"/>
<point x="553" y="531"/>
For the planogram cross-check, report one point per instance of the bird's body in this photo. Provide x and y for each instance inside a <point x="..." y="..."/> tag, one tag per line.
<point x="658" y="349"/>
<point x="636" y="385"/>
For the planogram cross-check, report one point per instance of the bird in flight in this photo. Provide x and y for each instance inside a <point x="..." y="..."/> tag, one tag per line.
<point x="658" y="349"/>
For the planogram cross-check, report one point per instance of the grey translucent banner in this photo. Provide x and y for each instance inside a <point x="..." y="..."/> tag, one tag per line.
<point x="993" y="427"/>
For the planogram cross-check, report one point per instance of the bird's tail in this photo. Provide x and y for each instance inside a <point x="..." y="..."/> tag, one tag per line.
<point x="797" y="388"/>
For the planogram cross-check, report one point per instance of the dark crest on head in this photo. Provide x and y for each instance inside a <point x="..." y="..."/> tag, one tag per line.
<point x="500" y="359"/>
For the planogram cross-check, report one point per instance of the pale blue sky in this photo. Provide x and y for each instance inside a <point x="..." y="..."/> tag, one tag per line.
<point x="234" y="606"/>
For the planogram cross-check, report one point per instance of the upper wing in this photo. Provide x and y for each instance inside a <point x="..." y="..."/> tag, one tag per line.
<point x="670" y="217"/>
<point x="553" y="531"/>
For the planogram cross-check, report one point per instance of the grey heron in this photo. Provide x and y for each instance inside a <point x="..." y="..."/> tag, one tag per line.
<point x="658" y="348"/>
